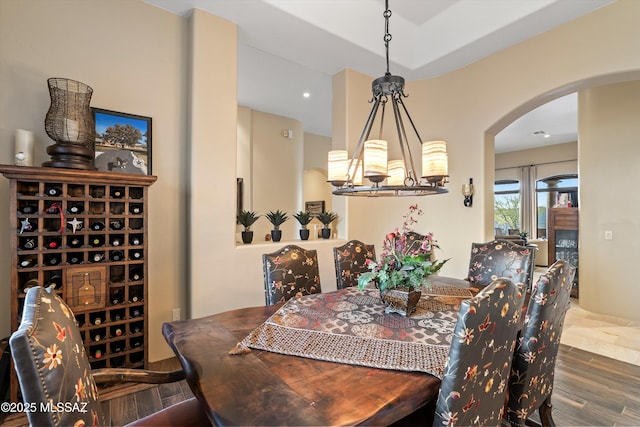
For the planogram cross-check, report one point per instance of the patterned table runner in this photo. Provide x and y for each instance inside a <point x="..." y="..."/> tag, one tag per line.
<point x="350" y="326"/>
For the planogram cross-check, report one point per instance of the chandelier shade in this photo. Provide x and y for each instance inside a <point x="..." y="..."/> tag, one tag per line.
<point x="369" y="159"/>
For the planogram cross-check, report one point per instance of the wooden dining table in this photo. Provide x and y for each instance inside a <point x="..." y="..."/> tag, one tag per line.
<point x="266" y="388"/>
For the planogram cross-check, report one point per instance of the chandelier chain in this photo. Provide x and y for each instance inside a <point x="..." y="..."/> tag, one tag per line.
<point x="387" y="35"/>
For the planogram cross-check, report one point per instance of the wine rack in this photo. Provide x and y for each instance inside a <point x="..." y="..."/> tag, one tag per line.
<point x="83" y="234"/>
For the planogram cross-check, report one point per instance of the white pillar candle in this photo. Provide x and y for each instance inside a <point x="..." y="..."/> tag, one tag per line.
<point x="24" y="148"/>
<point x="70" y="130"/>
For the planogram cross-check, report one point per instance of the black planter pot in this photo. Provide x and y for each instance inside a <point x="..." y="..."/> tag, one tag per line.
<point x="276" y="235"/>
<point x="326" y="233"/>
<point x="247" y="237"/>
<point x="304" y="234"/>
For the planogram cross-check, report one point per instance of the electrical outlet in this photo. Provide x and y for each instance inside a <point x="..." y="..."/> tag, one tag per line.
<point x="176" y="314"/>
<point x="608" y="235"/>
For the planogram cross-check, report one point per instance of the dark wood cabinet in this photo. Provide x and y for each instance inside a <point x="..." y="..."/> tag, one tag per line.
<point x="84" y="234"/>
<point x="563" y="239"/>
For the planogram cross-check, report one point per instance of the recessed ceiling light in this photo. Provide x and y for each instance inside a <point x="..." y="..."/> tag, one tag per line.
<point x="539" y="132"/>
<point x="306" y="94"/>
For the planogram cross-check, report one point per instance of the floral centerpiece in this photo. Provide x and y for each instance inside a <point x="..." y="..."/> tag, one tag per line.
<point x="406" y="262"/>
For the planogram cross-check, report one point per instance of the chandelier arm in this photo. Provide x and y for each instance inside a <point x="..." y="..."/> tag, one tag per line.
<point x="401" y="102"/>
<point x="409" y="165"/>
<point x="383" y="100"/>
<point x="359" y="149"/>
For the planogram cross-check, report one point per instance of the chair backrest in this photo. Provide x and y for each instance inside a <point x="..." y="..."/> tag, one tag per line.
<point x="473" y="387"/>
<point x="51" y="363"/>
<point x="534" y="361"/>
<point x="500" y="258"/>
<point x="290" y="272"/>
<point x="351" y="261"/>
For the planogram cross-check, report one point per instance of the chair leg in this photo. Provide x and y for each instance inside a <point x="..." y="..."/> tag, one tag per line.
<point x="545" y="413"/>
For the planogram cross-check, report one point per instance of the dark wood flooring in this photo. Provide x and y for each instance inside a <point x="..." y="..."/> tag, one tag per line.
<point x="590" y="390"/>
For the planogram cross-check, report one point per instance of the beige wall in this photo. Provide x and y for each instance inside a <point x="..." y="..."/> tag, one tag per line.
<point x="609" y="158"/>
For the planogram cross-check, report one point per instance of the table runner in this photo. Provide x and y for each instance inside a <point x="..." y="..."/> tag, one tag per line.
<point x="350" y="326"/>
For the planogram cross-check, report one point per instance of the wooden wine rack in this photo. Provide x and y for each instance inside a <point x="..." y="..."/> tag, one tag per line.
<point x="84" y="233"/>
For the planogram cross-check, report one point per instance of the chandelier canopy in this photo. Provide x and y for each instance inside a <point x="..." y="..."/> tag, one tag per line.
<point x="369" y="159"/>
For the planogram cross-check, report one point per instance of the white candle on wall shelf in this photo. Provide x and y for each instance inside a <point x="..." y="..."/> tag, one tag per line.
<point x="24" y="148"/>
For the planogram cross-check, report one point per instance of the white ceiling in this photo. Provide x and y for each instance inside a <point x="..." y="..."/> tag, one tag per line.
<point x="287" y="47"/>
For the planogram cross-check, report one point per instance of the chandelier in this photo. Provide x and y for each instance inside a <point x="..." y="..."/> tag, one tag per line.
<point x="369" y="160"/>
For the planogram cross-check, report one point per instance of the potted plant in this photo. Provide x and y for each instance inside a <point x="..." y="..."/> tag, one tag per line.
<point x="304" y="218"/>
<point x="277" y="218"/>
<point x="403" y="267"/>
<point x="326" y="218"/>
<point x="246" y="219"/>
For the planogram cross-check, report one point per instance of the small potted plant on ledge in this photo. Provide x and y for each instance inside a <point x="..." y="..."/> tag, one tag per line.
<point x="277" y="218"/>
<point x="403" y="267"/>
<point x="326" y="218"/>
<point x="304" y="218"/>
<point x="247" y="219"/>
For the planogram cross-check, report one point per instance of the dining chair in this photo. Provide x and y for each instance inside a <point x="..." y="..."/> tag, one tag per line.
<point x="500" y="258"/>
<point x="474" y="384"/>
<point x="53" y="369"/>
<point x="351" y="261"/>
<point x="532" y="371"/>
<point x="290" y="272"/>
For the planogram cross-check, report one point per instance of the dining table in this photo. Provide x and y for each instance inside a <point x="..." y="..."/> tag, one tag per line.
<point x="239" y="382"/>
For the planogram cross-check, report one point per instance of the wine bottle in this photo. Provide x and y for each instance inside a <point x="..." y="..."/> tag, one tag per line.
<point x="29" y="244"/>
<point x="97" y="354"/>
<point x="117" y="317"/>
<point x="116" y="298"/>
<point x="116" y="241"/>
<point x="117" y="332"/>
<point x="135" y="254"/>
<point x="136" y="312"/>
<point x="136" y="240"/>
<point x="54" y="191"/>
<point x="117" y="256"/>
<point x="117" y="347"/>
<point x="54" y="243"/>
<point x="97" y="241"/>
<point x="136" y="343"/>
<point x="74" y="242"/>
<point x="54" y="282"/>
<point x="97" y="226"/>
<point x="29" y="209"/>
<point x="117" y="192"/>
<point x="53" y="260"/>
<point x="135" y="209"/>
<point x="135" y="296"/>
<point x="75" y="258"/>
<point x="28" y="262"/>
<point x="30" y="284"/>
<point x="97" y="320"/>
<point x="116" y="224"/>
<point x="97" y="336"/>
<point x="137" y="328"/>
<point x="76" y="208"/>
<point x="135" y="274"/>
<point x="97" y="257"/>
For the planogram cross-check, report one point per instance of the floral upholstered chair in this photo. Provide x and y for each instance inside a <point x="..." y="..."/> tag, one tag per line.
<point x="290" y="272"/>
<point x="53" y="369"/>
<point x="351" y="261"/>
<point x="476" y="374"/>
<point x="500" y="258"/>
<point x="534" y="362"/>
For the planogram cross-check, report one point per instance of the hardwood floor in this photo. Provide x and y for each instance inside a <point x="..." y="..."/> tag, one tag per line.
<point x="590" y="390"/>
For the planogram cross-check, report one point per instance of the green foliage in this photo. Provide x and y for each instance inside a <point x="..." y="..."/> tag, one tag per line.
<point x="404" y="262"/>
<point x="247" y="218"/>
<point x="303" y="217"/>
<point x="507" y="211"/>
<point x="122" y="135"/>
<point x="326" y="218"/>
<point x="277" y="218"/>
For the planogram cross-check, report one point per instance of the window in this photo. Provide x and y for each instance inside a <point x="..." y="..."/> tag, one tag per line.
<point x="506" y="205"/>
<point x="549" y="191"/>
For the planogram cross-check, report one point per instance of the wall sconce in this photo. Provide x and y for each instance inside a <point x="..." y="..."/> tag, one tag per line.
<point x="467" y="192"/>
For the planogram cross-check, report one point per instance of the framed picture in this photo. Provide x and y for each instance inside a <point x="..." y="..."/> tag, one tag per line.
<point x="123" y="142"/>
<point x="314" y="208"/>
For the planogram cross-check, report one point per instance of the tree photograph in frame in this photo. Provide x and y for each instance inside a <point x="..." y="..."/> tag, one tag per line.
<point x="123" y="142"/>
